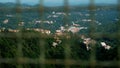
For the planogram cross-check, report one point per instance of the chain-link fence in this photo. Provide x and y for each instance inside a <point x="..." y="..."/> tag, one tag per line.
<point x="32" y="47"/>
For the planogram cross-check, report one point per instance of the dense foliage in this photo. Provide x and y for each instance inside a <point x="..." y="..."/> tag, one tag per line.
<point x="31" y="48"/>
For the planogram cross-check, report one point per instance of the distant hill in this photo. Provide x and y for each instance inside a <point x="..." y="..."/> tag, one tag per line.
<point x="10" y="4"/>
<point x="35" y="7"/>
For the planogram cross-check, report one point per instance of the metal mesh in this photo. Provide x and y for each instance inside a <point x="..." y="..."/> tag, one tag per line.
<point x="21" y="61"/>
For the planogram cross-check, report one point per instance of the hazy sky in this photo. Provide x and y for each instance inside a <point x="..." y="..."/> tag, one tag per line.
<point x="60" y="2"/>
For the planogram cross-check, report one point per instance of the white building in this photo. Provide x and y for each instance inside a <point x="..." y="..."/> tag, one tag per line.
<point x="5" y="21"/>
<point x="74" y="29"/>
<point x="107" y="47"/>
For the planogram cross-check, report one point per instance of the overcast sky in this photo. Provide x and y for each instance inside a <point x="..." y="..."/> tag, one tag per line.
<point x="60" y="2"/>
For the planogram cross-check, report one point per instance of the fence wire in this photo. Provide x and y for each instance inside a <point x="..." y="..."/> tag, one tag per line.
<point x="21" y="62"/>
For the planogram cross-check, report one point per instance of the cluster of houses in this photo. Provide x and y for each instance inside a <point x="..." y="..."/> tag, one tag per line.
<point x="43" y="31"/>
<point x="9" y="30"/>
<point x="74" y="28"/>
<point x="89" y="43"/>
<point x="86" y="41"/>
<point x="33" y="29"/>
